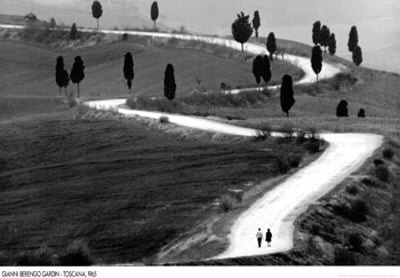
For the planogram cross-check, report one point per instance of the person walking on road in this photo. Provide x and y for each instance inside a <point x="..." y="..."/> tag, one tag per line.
<point x="259" y="236"/>
<point x="268" y="237"/>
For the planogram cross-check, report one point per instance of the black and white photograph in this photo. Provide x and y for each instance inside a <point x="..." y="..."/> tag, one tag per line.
<point x="200" y="135"/>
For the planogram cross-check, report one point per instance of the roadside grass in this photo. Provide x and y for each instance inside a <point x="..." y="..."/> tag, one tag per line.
<point x="123" y="188"/>
<point x="361" y="232"/>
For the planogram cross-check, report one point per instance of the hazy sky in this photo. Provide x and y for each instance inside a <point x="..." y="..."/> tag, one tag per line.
<point x="377" y="21"/>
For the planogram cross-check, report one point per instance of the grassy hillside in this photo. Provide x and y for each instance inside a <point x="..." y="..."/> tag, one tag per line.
<point x="28" y="67"/>
<point x="121" y="188"/>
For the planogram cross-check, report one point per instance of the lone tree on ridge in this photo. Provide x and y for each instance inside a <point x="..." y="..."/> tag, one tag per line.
<point x="62" y="78"/>
<point x="262" y="69"/>
<point x="357" y="56"/>
<point x="353" y="39"/>
<point x="97" y="11"/>
<point x="73" y="34"/>
<point x="256" y="22"/>
<point x="154" y="13"/>
<point x="129" y="73"/>
<point x="316" y="60"/>
<point x="77" y="72"/>
<point x="287" y="94"/>
<point x="316" y="30"/>
<point x="271" y="45"/>
<point x="241" y="29"/>
<point x="332" y="44"/>
<point x="169" y="82"/>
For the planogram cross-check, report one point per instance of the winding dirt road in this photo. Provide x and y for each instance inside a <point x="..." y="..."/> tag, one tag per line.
<point x="278" y="208"/>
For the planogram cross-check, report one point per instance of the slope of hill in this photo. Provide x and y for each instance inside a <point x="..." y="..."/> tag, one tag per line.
<point x="29" y="69"/>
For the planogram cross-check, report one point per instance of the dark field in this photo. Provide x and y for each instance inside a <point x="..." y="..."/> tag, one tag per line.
<point x="122" y="188"/>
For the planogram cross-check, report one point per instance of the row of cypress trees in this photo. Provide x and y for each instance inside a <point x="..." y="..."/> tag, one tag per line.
<point x="77" y="73"/>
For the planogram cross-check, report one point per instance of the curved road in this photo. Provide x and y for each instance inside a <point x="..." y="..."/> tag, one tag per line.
<point x="278" y="208"/>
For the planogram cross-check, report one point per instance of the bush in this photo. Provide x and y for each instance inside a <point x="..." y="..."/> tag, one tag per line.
<point x="283" y="165"/>
<point x="287" y="130"/>
<point x="357" y="211"/>
<point x="312" y="147"/>
<point x="294" y="160"/>
<point x="77" y="254"/>
<point x="356" y="242"/>
<point x="227" y="203"/>
<point x="344" y="257"/>
<point x="164" y="120"/>
<point x="301" y="137"/>
<point x="237" y="195"/>
<point x="382" y="173"/>
<point x="71" y="101"/>
<point x="388" y="153"/>
<point x="352" y="189"/>
<point x="313" y="134"/>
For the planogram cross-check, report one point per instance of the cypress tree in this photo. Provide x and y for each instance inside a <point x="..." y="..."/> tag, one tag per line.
<point x="241" y="29"/>
<point x="287" y="94"/>
<point x="73" y="34"/>
<point x="324" y="36"/>
<point x="266" y="70"/>
<point x="257" y="68"/>
<point x="97" y="11"/>
<point x="169" y="82"/>
<point x="332" y="44"/>
<point x="154" y="13"/>
<point x="77" y="72"/>
<point x="316" y="30"/>
<point x="316" y="60"/>
<point x="357" y="56"/>
<point x="262" y="69"/>
<point x="60" y="73"/>
<point x="129" y="73"/>
<point x="271" y="45"/>
<point x="353" y="39"/>
<point x="256" y="22"/>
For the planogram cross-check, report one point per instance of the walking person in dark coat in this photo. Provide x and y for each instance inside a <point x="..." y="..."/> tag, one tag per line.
<point x="268" y="237"/>
<point x="259" y="236"/>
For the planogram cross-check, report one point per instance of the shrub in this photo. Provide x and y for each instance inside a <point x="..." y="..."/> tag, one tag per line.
<point x="301" y="137"/>
<point x="372" y="182"/>
<point x="388" y="153"/>
<point x="261" y="135"/>
<point x="359" y="210"/>
<point x="356" y="241"/>
<point x="312" y="146"/>
<point x="313" y="133"/>
<point x="164" y="119"/>
<point x="237" y="195"/>
<point x="382" y="173"/>
<point x="283" y="165"/>
<point x="287" y="130"/>
<point x="227" y="203"/>
<point x="352" y="189"/>
<point x="294" y="160"/>
<point x="77" y="254"/>
<point x="378" y="162"/>
<point x="344" y="257"/>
